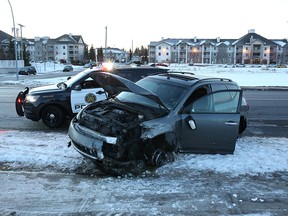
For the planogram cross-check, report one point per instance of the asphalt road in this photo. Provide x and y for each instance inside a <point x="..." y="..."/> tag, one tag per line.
<point x="268" y="112"/>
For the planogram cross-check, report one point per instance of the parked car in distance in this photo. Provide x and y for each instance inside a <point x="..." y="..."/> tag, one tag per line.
<point x="281" y="66"/>
<point x="27" y="70"/>
<point x="145" y="124"/>
<point x="90" y="65"/>
<point x="54" y="103"/>
<point x="67" y="68"/>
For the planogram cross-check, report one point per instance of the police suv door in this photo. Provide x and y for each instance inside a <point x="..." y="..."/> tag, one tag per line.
<point x="85" y="93"/>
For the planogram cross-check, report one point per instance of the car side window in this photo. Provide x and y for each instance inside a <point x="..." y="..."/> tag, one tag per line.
<point x="217" y="102"/>
<point x="89" y="83"/>
<point x="197" y="94"/>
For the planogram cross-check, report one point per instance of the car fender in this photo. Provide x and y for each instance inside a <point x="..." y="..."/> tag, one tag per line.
<point x="19" y="101"/>
<point x="152" y="129"/>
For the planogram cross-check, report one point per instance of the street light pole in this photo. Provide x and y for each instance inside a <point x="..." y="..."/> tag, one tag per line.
<point x="106" y="44"/>
<point x="21" y="46"/>
<point x="15" y="43"/>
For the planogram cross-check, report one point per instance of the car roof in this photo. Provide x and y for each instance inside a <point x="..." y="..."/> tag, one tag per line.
<point x="188" y="78"/>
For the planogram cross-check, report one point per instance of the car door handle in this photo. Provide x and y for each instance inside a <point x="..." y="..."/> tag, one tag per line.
<point x="231" y="123"/>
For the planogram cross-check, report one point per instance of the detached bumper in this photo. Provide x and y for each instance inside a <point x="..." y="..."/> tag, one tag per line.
<point x="88" y="142"/>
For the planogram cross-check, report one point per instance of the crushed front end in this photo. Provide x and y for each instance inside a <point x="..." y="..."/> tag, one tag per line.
<point x="111" y="135"/>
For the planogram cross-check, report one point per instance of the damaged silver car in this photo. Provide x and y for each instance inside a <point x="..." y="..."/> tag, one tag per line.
<point x="145" y="124"/>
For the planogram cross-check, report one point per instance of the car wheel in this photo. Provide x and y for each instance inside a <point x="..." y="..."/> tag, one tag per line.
<point x="52" y="116"/>
<point x="160" y="157"/>
<point x="243" y="125"/>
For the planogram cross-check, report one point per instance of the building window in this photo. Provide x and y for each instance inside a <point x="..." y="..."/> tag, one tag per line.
<point x="167" y="53"/>
<point x="159" y="47"/>
<point x="64" y="53"/>
<point x="159" y="54"/>
<point x="64" y="47"/>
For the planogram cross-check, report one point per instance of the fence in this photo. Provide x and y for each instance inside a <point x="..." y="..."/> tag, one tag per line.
<point x="9" y="66"/>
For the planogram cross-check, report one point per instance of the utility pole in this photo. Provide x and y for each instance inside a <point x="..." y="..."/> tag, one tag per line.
<point x="15" y="43"/>
<point x="106" y="44"/>
<point x="21" y="46"/>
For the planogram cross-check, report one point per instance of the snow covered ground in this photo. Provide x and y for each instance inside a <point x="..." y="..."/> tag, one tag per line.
<point x="252" y="154"/>
<point x="42" y="150"/>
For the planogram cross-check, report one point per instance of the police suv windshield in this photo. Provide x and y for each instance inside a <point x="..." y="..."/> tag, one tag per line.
<point x="75" y="78"/>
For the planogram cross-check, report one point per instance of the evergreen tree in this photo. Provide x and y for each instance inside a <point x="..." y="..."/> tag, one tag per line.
<point x="92" y="55"/>
<point x="145" y="56"/>
<point x="86" y="54"/>
<point x="11" y="50"/>
<point x="130" y="54"/>
<point x="26" y="56"/>
<point x="137" y="52"/>
<point x="100" y="56"/>
<point x="2" y="54"/>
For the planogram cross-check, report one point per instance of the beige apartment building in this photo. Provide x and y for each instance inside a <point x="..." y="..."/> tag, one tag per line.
<point x="252" y="48"/>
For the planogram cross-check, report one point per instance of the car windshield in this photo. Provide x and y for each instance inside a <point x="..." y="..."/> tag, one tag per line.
<point x="69" y="82"/>
<point x="169" y="93"/>
<point x="139" y="101"/>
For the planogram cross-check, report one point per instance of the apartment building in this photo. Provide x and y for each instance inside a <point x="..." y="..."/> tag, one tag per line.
<point x="68" y="47"/>
<point x="115" y="55"/>
<point x="252" y="48"/>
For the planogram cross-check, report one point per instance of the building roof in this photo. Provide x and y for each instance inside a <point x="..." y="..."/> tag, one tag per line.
<point x="4" y="36"/>
<point x="251" y="37"/>
<point x="246" y="39"/>
<point x="114" y="50"/>
<point x="193" y="41"/>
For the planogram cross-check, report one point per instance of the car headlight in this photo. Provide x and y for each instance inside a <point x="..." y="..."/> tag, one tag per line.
<point x="32" y="98"/>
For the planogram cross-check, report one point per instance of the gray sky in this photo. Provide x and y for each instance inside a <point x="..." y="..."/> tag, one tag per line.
<point x="146" y="20"/>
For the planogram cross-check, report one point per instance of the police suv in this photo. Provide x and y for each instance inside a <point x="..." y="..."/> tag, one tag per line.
<point x="55" y="103"/>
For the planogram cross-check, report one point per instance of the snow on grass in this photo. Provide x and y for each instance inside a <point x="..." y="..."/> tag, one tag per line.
<point x="41" y="149"/>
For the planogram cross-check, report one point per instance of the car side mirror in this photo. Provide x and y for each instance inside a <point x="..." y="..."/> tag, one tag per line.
<point x="77" y="88"/>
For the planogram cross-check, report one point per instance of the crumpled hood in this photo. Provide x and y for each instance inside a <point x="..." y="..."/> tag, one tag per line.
<point x="114" y="84"/>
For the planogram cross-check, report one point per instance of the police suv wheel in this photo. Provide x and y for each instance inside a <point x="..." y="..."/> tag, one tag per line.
<point x="52" y="116"/>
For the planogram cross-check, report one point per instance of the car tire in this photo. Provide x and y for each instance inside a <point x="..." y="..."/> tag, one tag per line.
<point x="52" y="116"/>
<point x="243" y="124"/>
<point x="160" y="157"/>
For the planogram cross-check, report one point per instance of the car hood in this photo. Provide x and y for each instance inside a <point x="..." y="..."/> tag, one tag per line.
<point x="43" y="89"/>
<point x="114" y="84"/>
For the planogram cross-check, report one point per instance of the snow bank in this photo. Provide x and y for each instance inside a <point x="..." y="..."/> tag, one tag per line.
<point x="49" y="150"/>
